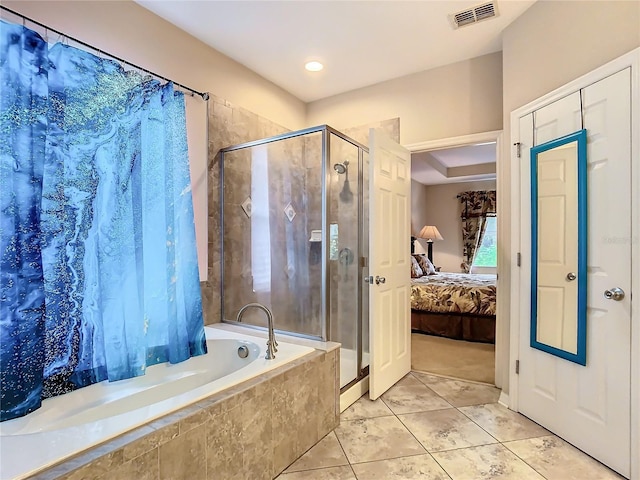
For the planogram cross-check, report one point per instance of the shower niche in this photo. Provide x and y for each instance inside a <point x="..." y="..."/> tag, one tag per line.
<point x="294" y="237"/>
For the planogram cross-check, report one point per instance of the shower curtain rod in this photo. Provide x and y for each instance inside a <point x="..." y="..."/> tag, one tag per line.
<point x="204" y="95"/>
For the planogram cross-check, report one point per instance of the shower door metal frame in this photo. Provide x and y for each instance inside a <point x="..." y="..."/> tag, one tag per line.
<point x="325" y="130"/>
<point x="362" y="258"/>
<point x="364" y="263"/>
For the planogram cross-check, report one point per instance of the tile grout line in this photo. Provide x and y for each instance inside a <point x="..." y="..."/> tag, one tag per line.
<point x="471" y="420"/>
<point x="522" y="459"/>
<point x="476" y="423"/>
<point x="410" y="432"/>
<point x="500" y="442"/>
<point x="426" y="451"/>
<point x="345" y="453"/>
<point x="497" y="442"/>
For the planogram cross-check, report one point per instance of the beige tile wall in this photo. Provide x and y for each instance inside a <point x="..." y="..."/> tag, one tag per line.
<point x="231" y="125"/>
<point x="254" y="430"/>
<point x="288" y="293"/>
<point x="228" y="125"/>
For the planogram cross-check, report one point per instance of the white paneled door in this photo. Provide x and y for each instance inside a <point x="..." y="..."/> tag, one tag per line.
<point x="589" y="406"/>
<point x="389" y="267"/>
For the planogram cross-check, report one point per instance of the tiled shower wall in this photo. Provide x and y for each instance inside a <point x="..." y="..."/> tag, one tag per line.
<point x="266" y="256"/>
<point x="231" y="125"/>
<point x="391" y="129"/>
<point x="228" y="125"/>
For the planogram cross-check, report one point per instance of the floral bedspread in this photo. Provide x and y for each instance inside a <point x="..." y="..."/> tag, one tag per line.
<point x="454" y="293"/>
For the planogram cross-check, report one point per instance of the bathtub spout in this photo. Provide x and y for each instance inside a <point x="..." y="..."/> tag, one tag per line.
<point x="272" y="345"/>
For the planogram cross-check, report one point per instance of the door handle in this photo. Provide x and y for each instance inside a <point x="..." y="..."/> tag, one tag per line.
<point x="615" y="293"/>
<point x="368" y="279"/>
<point x="571" y="276"/>
<point x="380" y="280"/>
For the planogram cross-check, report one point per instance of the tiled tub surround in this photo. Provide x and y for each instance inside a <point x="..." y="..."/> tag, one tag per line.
<point x="252" y="429"/>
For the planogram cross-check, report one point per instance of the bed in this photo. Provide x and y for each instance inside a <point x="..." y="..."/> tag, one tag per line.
<point x="455" y="305"/>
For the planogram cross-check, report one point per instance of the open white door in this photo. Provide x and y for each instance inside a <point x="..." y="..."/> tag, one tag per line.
<point x="589" y="405"/>
<point x="389" y="267"/>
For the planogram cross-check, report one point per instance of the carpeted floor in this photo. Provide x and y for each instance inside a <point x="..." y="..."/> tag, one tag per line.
<point x="453" y="358"/>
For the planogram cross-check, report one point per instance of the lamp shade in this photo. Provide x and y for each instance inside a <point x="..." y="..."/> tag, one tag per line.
<point x="430" y="232"/>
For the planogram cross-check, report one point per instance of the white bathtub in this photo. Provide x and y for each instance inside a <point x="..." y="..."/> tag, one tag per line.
<point x="76" y="421"/>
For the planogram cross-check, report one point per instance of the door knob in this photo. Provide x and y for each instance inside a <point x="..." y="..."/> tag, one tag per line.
<point x="571" y="276"/>
<point x="615" y="293"/>
<point x="380" y="280"/>
<point x="368" y="279"/>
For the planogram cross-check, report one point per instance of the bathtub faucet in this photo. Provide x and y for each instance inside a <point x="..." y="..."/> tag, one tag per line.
<point x="272" y="345"/>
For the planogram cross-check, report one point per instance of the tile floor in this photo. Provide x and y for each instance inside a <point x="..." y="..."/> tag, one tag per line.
<point x="429" y="427"/>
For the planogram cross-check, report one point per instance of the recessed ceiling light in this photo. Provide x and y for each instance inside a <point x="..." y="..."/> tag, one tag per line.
<point x="313" y="66"/>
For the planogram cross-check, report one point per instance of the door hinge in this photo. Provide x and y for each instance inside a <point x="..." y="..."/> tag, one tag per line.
<point x="517" y="367"/>
<point x="518" y="152"/>
<point x="518" y="259"/>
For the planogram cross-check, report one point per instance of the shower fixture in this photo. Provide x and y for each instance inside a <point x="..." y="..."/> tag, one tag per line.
<point x="341" y="167"/>
<point x="346" y="195"/>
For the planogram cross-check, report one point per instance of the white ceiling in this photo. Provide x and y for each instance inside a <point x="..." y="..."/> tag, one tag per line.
<point x="360" y="42"/>
<point x="454" y="165"/>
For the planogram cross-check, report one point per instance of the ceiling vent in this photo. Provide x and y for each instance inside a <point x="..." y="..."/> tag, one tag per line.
<point x="474" y="14"/>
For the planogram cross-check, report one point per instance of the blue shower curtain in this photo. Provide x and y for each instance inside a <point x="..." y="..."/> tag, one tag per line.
<point x="98" y="267"/>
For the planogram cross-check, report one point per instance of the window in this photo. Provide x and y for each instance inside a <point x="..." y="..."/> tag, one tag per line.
<point x="260" y="226"/>
<point x="487" y="253"/>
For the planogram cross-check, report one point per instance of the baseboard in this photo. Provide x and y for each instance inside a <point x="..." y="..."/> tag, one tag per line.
<point x="351" y="396"/>
<point x="504" y="399"/>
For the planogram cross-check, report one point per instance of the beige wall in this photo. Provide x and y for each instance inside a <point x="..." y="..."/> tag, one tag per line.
<point x="437" y="205"/>
<point x="418" y="206"/>
<point x="125" y="29"/>
<point x="454" y="100"/>
<point x="552" y="43"/>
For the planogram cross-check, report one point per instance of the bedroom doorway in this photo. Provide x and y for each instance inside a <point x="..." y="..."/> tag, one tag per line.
<point x="460" y="340"/>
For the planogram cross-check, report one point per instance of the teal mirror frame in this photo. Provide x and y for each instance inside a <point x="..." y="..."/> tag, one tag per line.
<point x="580" y="357"/>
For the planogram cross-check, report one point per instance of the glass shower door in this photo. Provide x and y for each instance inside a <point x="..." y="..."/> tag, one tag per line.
<point x="272" y="204"/>
<point x="344" y="253"/>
